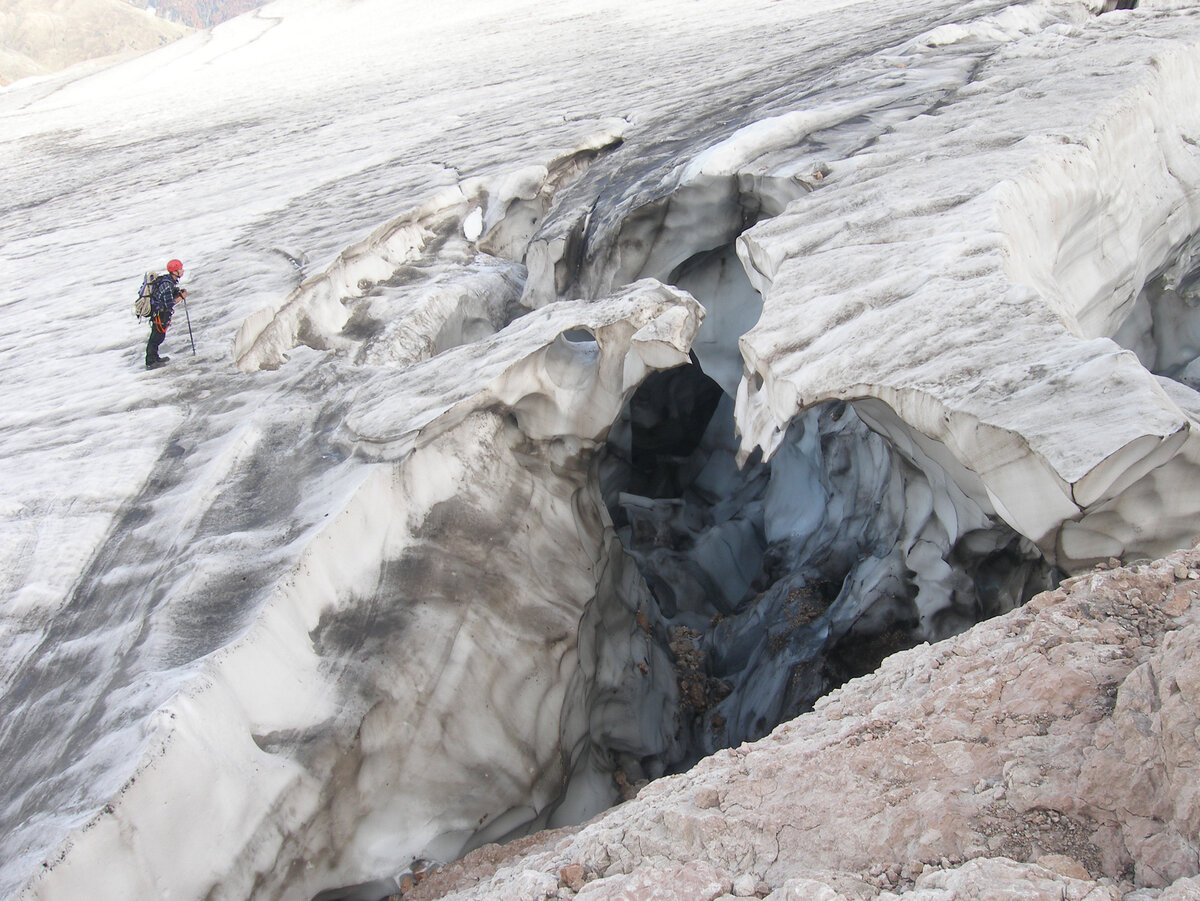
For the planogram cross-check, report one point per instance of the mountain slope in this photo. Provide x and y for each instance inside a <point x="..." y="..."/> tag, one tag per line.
<point x="37" y="38"/>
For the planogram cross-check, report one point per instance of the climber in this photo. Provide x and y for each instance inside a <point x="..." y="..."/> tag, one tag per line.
<point x="164" y="294"/>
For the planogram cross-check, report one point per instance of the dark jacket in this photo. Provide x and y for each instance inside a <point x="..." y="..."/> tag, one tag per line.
<point x="162" y="300"/>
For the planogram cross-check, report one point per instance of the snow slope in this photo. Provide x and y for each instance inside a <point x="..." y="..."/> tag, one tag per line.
<point x="269" y="625"/>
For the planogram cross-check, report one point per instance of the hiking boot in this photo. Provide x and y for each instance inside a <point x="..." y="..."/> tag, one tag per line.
<point x="157" y="364"/>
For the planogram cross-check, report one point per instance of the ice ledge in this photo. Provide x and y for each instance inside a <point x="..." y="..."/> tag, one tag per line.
<point x="565" y="369"/>
<point x="495" y="214"/>
<point x="966" y="275"/>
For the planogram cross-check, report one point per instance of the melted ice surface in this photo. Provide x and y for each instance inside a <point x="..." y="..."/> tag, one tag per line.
<point x="315" y="593"/>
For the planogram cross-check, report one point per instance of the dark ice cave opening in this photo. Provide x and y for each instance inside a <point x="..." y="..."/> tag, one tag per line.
<point x="771" y="585"/>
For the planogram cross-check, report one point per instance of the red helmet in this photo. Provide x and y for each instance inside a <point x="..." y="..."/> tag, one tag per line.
<point x="174" y="266"/>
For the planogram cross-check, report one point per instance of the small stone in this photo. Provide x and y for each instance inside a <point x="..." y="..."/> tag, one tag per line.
<point x="1181" y="571"/>
<point x="1178" y="602"/>
<point x="1064" y="866"/>
<point x="706" y="798"/>
<point x="745" y="885"/>
<point x="572" y="876"/>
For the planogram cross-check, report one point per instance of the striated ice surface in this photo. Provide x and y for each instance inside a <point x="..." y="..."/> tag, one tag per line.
<point x="577" y="389"/>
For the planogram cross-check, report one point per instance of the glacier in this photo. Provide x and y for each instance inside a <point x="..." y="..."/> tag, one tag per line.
<point x="576" y="391"/>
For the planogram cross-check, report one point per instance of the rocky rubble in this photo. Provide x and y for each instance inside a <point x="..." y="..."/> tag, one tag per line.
<point x="1050" y="753"/>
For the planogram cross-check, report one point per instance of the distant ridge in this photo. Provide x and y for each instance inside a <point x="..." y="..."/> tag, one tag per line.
<point x="39" y="37"/>
<point x="199" y="13"/>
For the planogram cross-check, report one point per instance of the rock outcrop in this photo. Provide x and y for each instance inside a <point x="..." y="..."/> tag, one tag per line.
<point x="1047" y="753"/>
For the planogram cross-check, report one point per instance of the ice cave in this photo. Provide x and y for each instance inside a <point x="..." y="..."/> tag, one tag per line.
<point x="576" y="393"/>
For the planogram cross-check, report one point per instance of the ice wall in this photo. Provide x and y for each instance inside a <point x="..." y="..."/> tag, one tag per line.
<point x="427" y="631"/>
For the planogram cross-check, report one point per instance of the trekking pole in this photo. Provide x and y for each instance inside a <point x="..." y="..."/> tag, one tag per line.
<point x="189" y="322"/>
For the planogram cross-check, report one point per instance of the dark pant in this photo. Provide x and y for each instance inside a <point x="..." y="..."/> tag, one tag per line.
<point x="152" y="346"/>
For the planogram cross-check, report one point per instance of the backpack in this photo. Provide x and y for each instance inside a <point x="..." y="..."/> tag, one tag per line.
<point x="141" y="306"/>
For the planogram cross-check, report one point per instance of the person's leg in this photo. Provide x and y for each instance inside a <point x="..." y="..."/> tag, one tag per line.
<point x="153" y="344"/>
